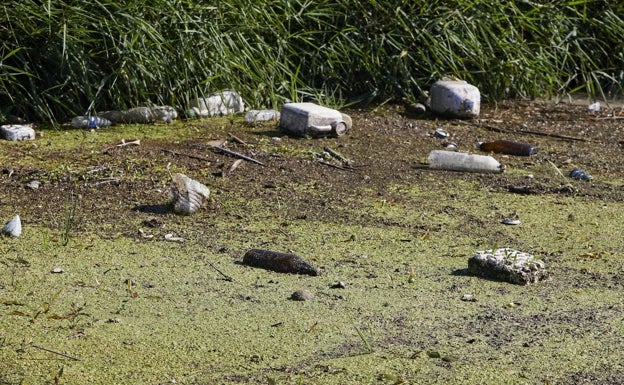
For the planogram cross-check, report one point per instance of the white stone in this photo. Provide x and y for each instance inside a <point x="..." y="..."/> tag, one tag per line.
<point x="17" y="132"/>
<point x="13" y="227"/>
<point x="303" y="119"/>
<point x="455" y="98"/>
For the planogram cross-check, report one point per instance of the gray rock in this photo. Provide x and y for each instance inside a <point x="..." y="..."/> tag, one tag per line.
<point x="302" y="295"/>
<point x="508" y="265"/>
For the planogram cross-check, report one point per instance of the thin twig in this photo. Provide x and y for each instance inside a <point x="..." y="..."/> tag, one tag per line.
<point x="529" y="132"/>
<point x="175" y="153"/>
<point x="56" y="352"/>
<point x="226" y="277"/>
<point x="335" y="166"/>
<point x="238" y="140"/>
<point x="236" y="154"/>
<point x="336" y="155"/>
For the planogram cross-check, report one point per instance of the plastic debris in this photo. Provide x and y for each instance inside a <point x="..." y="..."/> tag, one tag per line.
<point x="508" y="265"/>
<point x="141" y="115"/>
<point x="187" y="195"/>
<point x="253" y="116"/>
<point x="90" y="122"/>
<point x="304" y="119"/>
<point x="218" y="104"/>
<point x="460" y="161"/>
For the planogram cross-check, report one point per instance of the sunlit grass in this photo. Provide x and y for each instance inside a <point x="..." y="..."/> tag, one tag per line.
<point x="65" y="58"/>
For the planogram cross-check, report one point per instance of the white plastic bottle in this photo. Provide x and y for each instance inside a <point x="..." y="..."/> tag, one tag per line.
<point x="461" y="161"/>
<point x="253" y="116"/>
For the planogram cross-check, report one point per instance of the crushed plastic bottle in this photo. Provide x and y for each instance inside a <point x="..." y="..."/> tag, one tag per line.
<point x="508" y="147"/>
<point x="253" y="116"/>
<point x="90" y="122"/>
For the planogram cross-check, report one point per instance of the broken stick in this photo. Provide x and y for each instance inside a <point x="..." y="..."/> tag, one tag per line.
<point x="236" y="154"/>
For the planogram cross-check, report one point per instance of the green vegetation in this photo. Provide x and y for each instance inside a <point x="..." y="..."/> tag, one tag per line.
<point x="63" y="58"/>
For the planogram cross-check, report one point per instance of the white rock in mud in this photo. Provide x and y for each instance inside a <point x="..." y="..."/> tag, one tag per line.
<point x="13" y="227"/>
<point x="17" y="132"/>
<point x="187" y="195"/>
<point x="509" y="265"/>
<point x="455" y="98"/>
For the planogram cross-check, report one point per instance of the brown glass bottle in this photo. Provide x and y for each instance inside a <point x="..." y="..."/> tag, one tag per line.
<point x="508" y="147"/>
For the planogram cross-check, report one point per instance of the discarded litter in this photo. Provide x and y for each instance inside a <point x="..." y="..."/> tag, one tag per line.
<point x="90" y="122"/>
<point x="455" y="98"/>
<point x="141" y="115"/>
<point x="511" y="221"/>
<point x="17" y="132"/>
<point x="13" y="227"/>
<point x="508" y="265"/>
<point x="253" y="116"/>
<point x="440" y="133"/>
<point x="577" y="173"/>
<point x="594" y="107"/>
<point x="508" y="147"/>
<point x="218" y="104"/>
<point x="303" y="119"/>
<point x="187" y="195"/>
<point x="460" y="161"/>
<point x="278" y="262"/>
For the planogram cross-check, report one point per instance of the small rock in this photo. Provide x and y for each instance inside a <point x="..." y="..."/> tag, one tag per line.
<point x="469" y="298"/>
<point x="511" y="221"/>
<point x="455" y="98"/>
<point x="339" y="285"/>
<point x="57" y="270"/>
<point x="302" y="295"/>
<point x="33" y="184"/>
<point x="17" y="132"/>
<point x="13" y="227"/>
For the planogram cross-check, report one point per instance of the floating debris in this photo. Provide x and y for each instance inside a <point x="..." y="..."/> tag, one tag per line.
<point x="304" y="119"/>
<point x="13" y="227"/>
<point x="460" y="161"/>
<point x="278" y="262"/>
<point x="187" y="195"/>
<point x="511" y="221"/>
<point x="172" y="238"/>
<point x="508" y="265"/>
<point x="217" y="104"/>
<point x="508" y="147"/>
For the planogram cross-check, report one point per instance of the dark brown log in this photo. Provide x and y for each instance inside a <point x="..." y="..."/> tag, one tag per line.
<point x="278" y="262"/>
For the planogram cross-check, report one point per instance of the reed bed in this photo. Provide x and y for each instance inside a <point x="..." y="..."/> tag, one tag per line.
<point x="71" y="57"/>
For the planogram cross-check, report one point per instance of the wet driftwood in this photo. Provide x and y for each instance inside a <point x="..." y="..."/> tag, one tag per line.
<point x="278" y="262"/>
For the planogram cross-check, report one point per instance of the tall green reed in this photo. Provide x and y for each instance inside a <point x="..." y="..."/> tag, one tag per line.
<point x="68" y="57"/>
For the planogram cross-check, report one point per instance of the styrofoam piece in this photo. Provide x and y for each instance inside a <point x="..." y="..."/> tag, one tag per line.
<point x="508" y="265"/>
<point x="455" y="98"/>
<point x="17" y="132"/>
<point x="219" y="103"/>
<point x="311" y="119"/>
<point x="461" y="161"/>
